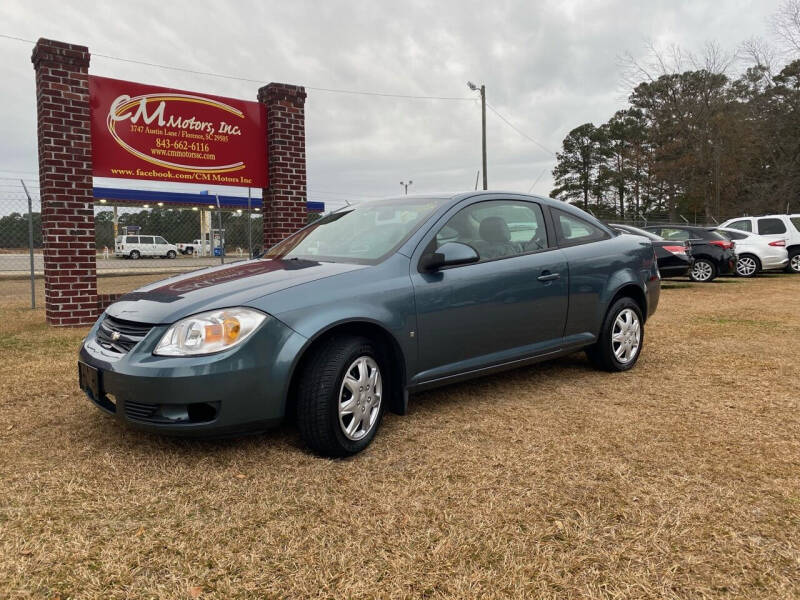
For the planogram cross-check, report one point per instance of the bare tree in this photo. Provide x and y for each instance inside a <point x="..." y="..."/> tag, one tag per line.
<point x="786" y="25"/>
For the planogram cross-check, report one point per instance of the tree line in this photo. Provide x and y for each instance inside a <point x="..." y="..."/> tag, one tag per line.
<point x="692" y="142"/>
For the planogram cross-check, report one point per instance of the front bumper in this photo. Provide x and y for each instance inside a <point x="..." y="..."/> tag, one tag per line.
<point x="244" y="389"/>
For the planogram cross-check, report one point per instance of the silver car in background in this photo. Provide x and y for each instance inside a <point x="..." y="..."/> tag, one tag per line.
<point x="756" y="253"/>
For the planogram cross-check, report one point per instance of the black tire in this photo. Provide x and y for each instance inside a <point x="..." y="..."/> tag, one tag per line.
<point x="135" y="255"/>
<point x="171" y="254"/>
<point x="748" y="265"/>
<point x="188" y="251"/>
<point x="601" y="354"/>
<point x="318" y="395"/>
<point x="794" y="262"/>
<point x="703" y="265"/>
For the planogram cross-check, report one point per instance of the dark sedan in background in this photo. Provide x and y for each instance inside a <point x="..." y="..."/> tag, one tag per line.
<point x="712" y="253"/>
<point x="343" y="319"/>
<point x="674" y="258"/>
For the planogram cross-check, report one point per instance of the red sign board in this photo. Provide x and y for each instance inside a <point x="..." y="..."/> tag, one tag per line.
<point x="147" y="132"/>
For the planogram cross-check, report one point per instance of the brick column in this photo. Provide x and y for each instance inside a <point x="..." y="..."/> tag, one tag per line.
<point x="285" y="198"/>
<point x="65" y="182"/>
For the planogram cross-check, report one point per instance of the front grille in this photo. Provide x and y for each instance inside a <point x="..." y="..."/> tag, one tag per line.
<point x="121" y="336"/>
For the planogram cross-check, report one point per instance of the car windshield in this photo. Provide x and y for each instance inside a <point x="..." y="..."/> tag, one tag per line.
<point x="365" y="233"/>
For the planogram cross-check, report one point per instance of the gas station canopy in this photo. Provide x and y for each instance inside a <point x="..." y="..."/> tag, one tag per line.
<point x="184" y="199"/>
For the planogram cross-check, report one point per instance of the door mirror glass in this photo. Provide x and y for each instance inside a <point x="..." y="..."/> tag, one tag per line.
<point x="449" y="255"/>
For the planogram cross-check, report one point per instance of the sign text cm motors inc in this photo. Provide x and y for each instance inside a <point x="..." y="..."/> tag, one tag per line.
<point x="148" y="132"/>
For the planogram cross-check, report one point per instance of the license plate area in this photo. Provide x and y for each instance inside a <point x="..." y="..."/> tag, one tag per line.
<point x="90" y="380"/>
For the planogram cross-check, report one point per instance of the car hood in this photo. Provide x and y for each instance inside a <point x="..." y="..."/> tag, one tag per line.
<point x="219" y="287"/>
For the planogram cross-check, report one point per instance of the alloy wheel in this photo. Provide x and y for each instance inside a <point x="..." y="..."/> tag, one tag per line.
<point x="746" y="266"/>
<point x="360" y="398"/>
<point x="795" y="263"/>
<point x="626" y="336"/>
<point x="702" y="270"/>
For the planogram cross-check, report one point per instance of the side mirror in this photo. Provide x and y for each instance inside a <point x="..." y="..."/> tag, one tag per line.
<point x="449" y="255"/>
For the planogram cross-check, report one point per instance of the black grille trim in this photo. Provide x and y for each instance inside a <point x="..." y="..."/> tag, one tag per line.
<point x="130" y="334"/>
<point x="142" y="412"/>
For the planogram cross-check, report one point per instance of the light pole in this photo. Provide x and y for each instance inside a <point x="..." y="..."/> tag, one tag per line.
<point x="482" y="90"/>
<point x="405" y="185"/>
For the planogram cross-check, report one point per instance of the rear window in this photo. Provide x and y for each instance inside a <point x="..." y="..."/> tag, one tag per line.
<point x="796" y="223"/>
<point x="744" y="225"/>
<point x="119" y="239"/>
<point x="771" y="226"/>
<point x="670" y="233"/>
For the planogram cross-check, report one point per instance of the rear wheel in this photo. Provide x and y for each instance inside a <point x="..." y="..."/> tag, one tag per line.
<point x="621" y="337"/>
<point x="748" y="265"/>
<point x="703" y="271"/>
<point x="340" y="396"/>
<point x="794" y="262"/>
<point x="135" y="254"/>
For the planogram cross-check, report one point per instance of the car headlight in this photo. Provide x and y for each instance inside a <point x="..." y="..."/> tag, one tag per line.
<point x="209" y="332"/>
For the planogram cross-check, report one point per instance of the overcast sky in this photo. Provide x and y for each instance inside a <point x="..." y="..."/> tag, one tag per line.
<point x="548" y="67"/>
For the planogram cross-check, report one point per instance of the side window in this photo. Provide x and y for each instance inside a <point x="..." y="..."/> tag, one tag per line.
<point x="574" y="230"/>
<point x="743" y="225"/>
<point x="771" y="226"/>
<point x="497" y="228"/>
<point x="160" y="240"/>
<point x="796" y="223"/>
<point x="132" y="239"/>
<point x="669" y="233"/>
<point x="146" y="239"/>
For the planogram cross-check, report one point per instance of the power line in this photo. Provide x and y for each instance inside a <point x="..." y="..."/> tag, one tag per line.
<point x="519" y="131"/>
<point x="250" y="80"/>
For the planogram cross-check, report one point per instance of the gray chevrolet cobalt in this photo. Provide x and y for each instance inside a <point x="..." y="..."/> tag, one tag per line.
<point x="344" y="319"/>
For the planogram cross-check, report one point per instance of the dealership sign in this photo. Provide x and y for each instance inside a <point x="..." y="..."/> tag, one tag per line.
<point x="147" y="132"/>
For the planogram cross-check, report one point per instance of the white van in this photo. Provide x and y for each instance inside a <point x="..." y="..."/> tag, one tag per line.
<point x="137" y="246"/>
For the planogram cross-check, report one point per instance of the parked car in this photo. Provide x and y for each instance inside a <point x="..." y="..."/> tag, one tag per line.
<point x="712" y="253"/>
<point x="345" y="318"/>
<point x="137" y="246"/>
<point x="755" y="253"/>
<point x="774" y="227"/>
<point x="674" y="258"/>
<point x="194" y="246"/>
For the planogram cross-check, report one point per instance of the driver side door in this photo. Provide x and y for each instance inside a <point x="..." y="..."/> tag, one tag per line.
<point x="509" y="305"/>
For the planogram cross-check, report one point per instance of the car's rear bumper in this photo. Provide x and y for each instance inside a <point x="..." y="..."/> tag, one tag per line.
<point x="242" y="390"/>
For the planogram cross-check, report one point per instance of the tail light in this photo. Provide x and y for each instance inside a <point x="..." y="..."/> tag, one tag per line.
<point x="675" y="249"/>
<point x="778" y="243"/>
<point x="724" y="244"/>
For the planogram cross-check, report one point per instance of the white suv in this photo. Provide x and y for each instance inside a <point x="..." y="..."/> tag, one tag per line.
<point x="137" y="246"/>
<point x="774" y="227"/>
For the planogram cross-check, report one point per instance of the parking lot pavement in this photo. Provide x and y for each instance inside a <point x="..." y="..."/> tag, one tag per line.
<point x="19" y="264"/>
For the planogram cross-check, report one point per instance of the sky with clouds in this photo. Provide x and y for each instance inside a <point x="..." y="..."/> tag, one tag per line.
<point x="548" y="66"/>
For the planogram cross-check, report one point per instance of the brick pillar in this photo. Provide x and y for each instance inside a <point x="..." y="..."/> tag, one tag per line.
<point x="285" y="198"/>
<point x="65" y="182"/>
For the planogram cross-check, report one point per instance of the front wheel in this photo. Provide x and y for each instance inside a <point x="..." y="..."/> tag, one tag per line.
<point x="171" y="254"/>
<point x="621" y="337"/>
<point x="703" y="271"/>
<point x="340" y="396"/>
<point x="747" y="265"/>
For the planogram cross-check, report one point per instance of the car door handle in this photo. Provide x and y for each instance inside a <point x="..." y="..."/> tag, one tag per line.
<point x="548" y="276"/>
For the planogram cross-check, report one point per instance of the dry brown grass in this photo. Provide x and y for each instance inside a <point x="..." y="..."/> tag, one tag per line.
<point x="680" y="479"/>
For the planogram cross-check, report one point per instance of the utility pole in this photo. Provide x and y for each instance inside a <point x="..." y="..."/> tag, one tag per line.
<point x="405" y="185"/>
<point x="482" y="90"/>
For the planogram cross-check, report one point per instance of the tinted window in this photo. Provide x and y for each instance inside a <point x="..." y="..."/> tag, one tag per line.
<point x="771" y="226"/>
<point x="744" y="225"/>
<point x="119" y="239"/>
<point x="132" y="239"/>
<point x="160" y="240"/>
<point x="574" y="230"/>
<point x="364" y="233"/>
<point x="796" y="222"/>
<point x="146" y="239"/>
<point x="497" y="228"/>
